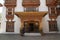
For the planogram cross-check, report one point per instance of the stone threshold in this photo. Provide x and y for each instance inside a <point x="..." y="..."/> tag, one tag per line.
<point x="32" y="34"/>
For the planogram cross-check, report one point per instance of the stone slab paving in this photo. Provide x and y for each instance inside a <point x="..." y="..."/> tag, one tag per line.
<point x="18" y="37"/>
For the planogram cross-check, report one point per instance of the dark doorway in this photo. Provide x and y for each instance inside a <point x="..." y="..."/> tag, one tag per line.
<point x="31" y="27"/>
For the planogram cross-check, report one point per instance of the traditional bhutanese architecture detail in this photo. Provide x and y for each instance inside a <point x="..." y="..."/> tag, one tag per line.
<point x="58" y="2"/>
<point x="51" y="2"/>
<point x="10" y="6"/>
<point x="31" y="17"/>
<point x="53" y="10"/>
<point x="31" y="3"/>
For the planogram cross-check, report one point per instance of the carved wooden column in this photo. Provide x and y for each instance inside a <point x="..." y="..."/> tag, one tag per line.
<point x="22" y="24"/>
<point x="40" y="27"/>
<point x="10" y="6"/>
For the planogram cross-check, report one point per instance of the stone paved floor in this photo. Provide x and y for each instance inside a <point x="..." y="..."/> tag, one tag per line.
<point x="18" y="37"/>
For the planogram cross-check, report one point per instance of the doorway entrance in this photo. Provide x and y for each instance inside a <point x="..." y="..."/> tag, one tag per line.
<point x="31" y="26"/>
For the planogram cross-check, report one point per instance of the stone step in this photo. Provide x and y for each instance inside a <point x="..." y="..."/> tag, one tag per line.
<point x="32" y="34"/>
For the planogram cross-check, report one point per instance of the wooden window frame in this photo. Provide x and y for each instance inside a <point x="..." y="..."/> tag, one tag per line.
<point x="30" y="9"/>
<point x="53" y="26"/>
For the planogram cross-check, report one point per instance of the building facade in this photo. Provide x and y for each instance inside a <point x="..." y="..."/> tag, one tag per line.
<point x="37" y="16"/>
